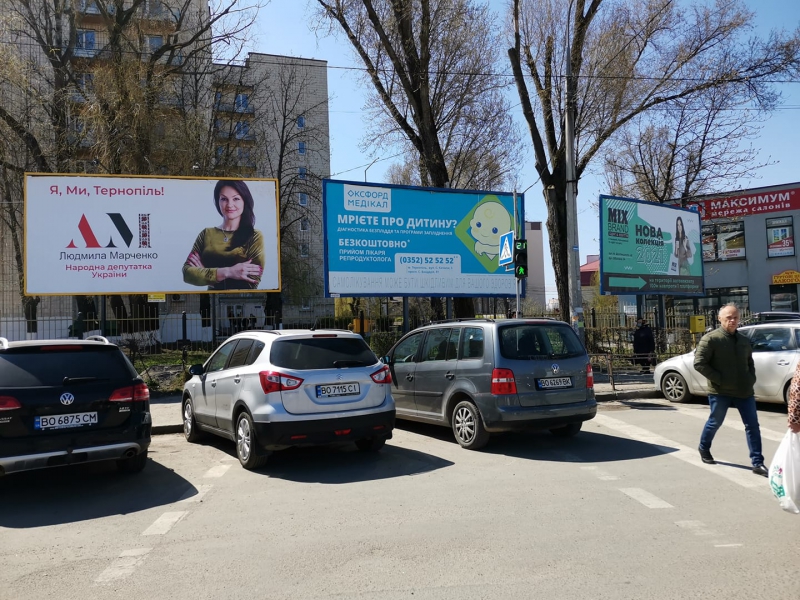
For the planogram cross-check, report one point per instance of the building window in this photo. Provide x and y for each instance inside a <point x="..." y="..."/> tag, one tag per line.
<point x="301" y="122"/>
<point x="242" y="130"/>
<point x="304" y="225"/>
<point x="304" y="250"/>
<point x="716" y="298"/>
<point x="780" y="237"/>
<point x="242" y="102"/>
<point x="217" y="100"/>
<point x="783" y="297"/>
<point x="305" y="304"/>
<point x="723" y="241"/>
<point x="85" y="42"/>
<point x="302" y="199"/>
<point x="220" y="154"/>
<point x="301" y="147"/>
<point x="244" y="159"/>
<point x="301" y="172"/>
<point x="154" y="42"/>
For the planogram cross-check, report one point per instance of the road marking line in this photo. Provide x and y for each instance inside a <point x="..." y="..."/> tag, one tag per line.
<point x="646" y="498"/>
<point x="601" y="474"/>
<point x="217" y="471"/>
<point x="684" y="453"/>
<point x="728" y="545"/>
<point x="125" y="564"/>
<point x="196" y="494"/>
<point x="737" y="425"/>
<point x="696" y="527"/>
<point x="164" y="523"/>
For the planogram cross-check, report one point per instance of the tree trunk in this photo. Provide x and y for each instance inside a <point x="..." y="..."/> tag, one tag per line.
<point x="555" y="199"/>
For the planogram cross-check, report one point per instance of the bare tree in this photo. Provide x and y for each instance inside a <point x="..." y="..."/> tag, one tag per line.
<point x="436" y="87"/>
<point x="93" y="80"/>
<point x="627" y="58"/>
<point x="692" y="146"/>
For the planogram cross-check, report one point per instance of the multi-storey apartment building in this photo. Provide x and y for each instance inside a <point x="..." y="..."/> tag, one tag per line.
<point x="150" y="99"/>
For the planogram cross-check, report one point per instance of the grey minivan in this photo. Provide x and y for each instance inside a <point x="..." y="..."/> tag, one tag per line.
<point x="480" y="376"/>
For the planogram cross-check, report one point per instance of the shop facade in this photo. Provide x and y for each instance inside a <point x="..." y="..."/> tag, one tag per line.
<point x="749" y="252"/>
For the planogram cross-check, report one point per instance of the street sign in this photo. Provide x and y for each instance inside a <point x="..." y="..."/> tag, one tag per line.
<point x="506" y="255"/>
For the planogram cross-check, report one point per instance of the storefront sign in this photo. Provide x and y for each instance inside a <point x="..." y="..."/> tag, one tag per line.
<point x="741" y="205"/>
<point x="780" y="237"/>
<point x="787" y="277"/>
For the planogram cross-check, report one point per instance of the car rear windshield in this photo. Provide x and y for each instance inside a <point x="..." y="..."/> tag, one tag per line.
<point x="528" y="341"/>
<point x="321" y="353"/>
<point x="50" y="365"/>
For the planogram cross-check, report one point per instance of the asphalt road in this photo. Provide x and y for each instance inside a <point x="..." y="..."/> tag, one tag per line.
<point x="624" y="510"/>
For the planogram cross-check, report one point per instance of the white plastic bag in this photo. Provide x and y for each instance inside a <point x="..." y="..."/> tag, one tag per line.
<point x="784" y="473"/>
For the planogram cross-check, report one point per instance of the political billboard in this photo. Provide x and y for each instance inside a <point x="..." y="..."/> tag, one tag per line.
<point x="649" y="248"/>
<point x="107" y="234"/>
<point x="384" y="240"/>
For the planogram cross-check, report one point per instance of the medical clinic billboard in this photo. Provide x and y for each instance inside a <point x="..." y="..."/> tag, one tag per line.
<point x="649" y="248"/>
<point x="131" y="235"/>
<point x="386" y="240"/>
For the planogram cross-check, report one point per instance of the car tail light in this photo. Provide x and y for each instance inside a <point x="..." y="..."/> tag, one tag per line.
<point x="589" y="377"/>
<point x="9" y="403"/>
<point x="503" y="382"/>
<point x="134" y="393"/>
<point x="382" y="375"/>
<point x="272" y="381"/>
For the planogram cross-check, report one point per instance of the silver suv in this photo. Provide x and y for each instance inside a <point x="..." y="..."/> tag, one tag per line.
<point x="480" y="376"/>
<point x="269" y="390"/>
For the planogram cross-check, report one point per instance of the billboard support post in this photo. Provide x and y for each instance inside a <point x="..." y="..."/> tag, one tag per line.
<point x="103" y="328"/>
<point x="406" y="327"/>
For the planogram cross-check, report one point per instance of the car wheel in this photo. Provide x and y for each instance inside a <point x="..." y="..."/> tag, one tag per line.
<point x="372" y="444"/>
<point x="786" y="392"/>
<point x="251" y="455"/>
<point x="567" y="430"/>
<point x="134" y="464"/>
<point x="674" y="387"/>
<point x="190" y="430"/>
<point x="468" y="426"/>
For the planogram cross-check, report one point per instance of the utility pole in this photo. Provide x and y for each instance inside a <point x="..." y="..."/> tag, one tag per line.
<point x="573" y="249"/>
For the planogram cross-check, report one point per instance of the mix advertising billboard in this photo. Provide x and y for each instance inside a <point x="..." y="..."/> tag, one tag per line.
<point x="96" y="235"/>
<point x="649" y="248"/>
<point x="384" y="240"/>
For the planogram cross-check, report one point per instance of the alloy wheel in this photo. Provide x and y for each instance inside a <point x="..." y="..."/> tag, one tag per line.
<point x="465" y="424"/>
<point x="243" y="439"/>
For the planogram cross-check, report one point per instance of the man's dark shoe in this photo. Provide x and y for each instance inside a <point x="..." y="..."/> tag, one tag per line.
<point x="706" y="457"/>
<point x="761" y="470"/>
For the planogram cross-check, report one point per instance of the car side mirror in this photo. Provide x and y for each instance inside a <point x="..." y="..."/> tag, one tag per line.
<point x="196" y="370"/>
<point x="387" y="360"/>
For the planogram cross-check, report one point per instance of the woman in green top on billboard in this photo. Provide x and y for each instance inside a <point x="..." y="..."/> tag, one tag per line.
<point x="231" y="256"/>
<point x="682" y="248"/>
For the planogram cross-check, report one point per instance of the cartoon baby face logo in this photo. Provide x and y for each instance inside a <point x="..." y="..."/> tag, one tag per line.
<point x="481" y="228"/>
<point x="489" y="221"/>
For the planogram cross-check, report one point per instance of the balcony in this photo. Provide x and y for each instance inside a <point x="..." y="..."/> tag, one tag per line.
<point x="233" y="108"/>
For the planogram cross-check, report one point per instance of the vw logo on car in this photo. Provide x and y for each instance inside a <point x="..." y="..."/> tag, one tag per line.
<point x="555" y="368"/>
<point x="67" y="398"/>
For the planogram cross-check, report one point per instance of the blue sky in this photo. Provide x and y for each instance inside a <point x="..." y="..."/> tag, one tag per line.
<point x="283" y="28"/>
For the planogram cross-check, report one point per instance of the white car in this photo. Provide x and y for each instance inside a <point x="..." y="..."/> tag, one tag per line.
<point x="776" y="349"/>
<point x="269" y="390"/>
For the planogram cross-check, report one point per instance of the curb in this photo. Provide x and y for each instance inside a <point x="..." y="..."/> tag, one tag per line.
<point x="627" y="395"/>
<point x="165" y="429"/>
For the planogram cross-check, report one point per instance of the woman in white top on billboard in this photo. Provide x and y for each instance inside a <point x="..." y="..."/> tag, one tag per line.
<point x="682" y="248"/>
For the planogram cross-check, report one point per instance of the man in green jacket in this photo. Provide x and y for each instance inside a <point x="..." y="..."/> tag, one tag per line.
<point x="725" y="358"/>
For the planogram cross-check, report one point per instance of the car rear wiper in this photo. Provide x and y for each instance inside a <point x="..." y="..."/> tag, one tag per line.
<point x="70" y="380"/>
<point x="340" y="364"/>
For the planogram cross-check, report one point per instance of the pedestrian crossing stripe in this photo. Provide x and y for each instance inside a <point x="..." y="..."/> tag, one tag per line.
<point x="505" y="251"/>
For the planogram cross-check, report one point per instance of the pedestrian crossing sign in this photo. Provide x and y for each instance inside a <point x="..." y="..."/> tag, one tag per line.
<point x="506" y="254"/>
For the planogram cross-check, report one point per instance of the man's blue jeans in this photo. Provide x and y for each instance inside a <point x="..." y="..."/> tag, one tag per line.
<point x="747" y="409"/>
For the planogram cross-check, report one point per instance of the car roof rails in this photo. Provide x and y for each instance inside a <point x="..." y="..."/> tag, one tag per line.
<point x="3" y="343"/>
<point x="461" y="319"/>
<point x="98" y="338"/>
